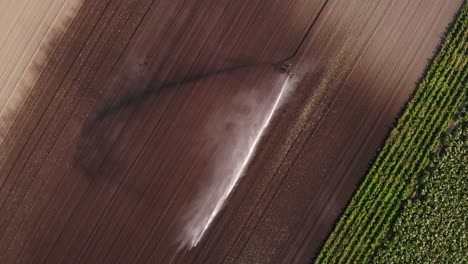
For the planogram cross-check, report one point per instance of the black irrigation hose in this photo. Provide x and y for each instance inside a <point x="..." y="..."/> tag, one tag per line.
<point x="153" y="89"/>
<point x="307" y="33"/>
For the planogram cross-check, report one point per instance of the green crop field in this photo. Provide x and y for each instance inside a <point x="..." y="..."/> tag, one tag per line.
<point x="433" y="226"/>
<point x="412" y="205"/>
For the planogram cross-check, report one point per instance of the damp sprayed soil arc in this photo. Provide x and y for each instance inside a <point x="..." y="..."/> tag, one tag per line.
<point x="133" y="130"/>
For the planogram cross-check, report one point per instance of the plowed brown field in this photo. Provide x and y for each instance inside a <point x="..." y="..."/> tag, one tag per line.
<point x="137" y="131"/>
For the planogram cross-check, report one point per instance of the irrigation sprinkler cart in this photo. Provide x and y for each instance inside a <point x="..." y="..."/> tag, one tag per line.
<point x="284" y="67"/>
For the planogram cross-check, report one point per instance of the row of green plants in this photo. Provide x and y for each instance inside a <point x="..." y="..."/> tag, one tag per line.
<point x="433" y="226"/>
<point x="393" y="176"/>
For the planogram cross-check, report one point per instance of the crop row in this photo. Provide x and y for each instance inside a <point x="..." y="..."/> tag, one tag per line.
<point x="393" y="176"/>
<point x="434" y="227"/>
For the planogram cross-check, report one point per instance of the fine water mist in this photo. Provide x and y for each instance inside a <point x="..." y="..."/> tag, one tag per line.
<point x="237" y="130"/>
